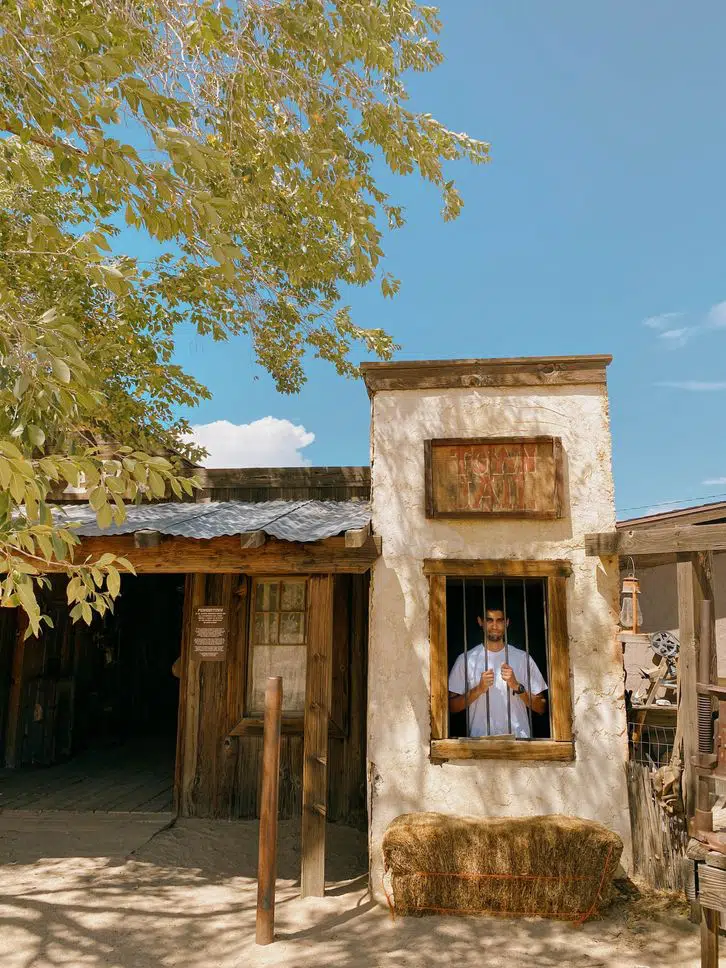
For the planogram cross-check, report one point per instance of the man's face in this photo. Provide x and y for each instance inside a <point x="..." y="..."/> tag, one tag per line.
<point x="494" y="625"/>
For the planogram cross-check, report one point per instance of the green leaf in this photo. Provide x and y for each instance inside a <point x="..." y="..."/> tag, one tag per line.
<point x="35" y="435"/>
<point x="113" y="582"/>
<point x="97" y="498"/>
<point x="61" y="370"/>
<point x="156" y="482"/>
<point x="105" y="516"/>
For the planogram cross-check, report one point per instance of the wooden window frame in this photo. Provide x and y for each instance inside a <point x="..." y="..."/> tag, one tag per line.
<point x="560" y="746"/>
<point x="252" y="725"/>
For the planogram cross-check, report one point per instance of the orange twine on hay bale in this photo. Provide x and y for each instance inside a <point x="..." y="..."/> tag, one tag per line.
<point x="553" y="866"/>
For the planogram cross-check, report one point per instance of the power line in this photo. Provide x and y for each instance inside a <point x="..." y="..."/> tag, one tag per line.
<point x="683" y="500"/>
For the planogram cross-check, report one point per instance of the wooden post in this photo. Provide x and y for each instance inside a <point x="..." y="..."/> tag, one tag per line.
<point x="694" y="584"/>
<point x="318" y="689"/>
<point x="189" y="695"/>
<point x="267" y="867"/>
<point x="709" y="938"/>
<point x="12" y="738"/>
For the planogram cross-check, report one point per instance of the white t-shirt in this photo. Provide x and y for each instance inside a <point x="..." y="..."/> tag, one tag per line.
<point x="477" y="711"/>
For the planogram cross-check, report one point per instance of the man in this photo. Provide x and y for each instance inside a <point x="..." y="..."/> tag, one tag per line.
<point x="488" y="674"/>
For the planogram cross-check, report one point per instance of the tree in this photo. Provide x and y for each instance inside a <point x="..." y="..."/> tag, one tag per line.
<point x="239" y="137"/>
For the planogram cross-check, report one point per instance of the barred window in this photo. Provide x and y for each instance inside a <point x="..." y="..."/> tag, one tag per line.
<point x="500" y="683"/>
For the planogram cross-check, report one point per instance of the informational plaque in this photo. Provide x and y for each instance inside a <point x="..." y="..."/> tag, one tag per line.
<point x="209" y="635"/>
<point x="515" y="477"/>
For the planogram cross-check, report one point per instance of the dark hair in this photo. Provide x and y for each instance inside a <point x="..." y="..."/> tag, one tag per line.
<point x="494" y="605"/>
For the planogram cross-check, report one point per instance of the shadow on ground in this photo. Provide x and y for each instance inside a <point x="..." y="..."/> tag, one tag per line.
<point x="186" y="897"/>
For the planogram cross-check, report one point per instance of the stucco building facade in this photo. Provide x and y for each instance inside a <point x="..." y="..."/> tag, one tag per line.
<point x="565" y="398"/>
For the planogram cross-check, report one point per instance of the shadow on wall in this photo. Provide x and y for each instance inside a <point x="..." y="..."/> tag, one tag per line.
<point x="592" y="787"/>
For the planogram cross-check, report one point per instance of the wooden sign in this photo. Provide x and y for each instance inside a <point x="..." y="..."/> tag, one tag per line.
<point x="515" y="477"/>
<point x="209" y="634"/>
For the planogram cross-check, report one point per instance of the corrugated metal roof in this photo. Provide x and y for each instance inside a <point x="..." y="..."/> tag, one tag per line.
<point x="288" y="520"/>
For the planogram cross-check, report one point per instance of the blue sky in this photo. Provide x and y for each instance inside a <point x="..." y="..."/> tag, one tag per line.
<point x="603" y="207"/>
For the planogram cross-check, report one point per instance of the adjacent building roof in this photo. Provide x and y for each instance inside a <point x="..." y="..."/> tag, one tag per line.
<point x="302" y="521"/>
<point x="714" y="513"/>
<point x="511" y="371"/>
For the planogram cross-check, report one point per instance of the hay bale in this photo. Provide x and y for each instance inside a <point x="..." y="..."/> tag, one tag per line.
<point x="552" y="866"/>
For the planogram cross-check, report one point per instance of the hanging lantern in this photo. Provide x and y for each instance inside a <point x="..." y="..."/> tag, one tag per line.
<point x="631" y="617"/>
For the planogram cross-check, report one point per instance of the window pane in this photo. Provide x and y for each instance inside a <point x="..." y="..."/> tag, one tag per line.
<point x="265" y="632"/>
<point x="517" y="633"/>
<point x="292" y="628"/>
<point x="266" y="596"/>
<point x="288" y="662"/>
<point x="293" y="596"/>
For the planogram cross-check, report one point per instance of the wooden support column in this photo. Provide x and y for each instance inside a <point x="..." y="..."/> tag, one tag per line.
<point x="709" y="938"/>
<point x="695" y="583"/>
<point x="189" y="697"/>
<point x="267" y="866"/>
<point x="318" y="689"/>
<point x="16" y="692"/>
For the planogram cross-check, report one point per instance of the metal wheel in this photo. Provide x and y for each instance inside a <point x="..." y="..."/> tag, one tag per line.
<point x="664" y="644"/>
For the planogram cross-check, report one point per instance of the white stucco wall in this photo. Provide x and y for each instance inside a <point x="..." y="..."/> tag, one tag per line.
<point x="401" y="776"/>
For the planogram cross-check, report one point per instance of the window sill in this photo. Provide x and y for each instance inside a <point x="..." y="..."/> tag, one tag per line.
<point x="502" y="749"/>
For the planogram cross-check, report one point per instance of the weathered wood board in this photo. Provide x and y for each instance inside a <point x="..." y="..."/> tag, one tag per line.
<point x="494" y="477"/>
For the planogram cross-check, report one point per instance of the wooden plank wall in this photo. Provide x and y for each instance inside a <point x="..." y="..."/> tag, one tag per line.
<point x="659" y="841"/>
<point x="206" y="768"/>
<point x="8" y="619"/>
<point x="218" y="775"/>
<point x="284" y="484"/>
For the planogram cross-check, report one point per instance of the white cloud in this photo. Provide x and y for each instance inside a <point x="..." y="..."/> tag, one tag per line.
<point x="716" y="316"/>
<point x="695" y="386"/>
<point x="660" y="321"/>
<point x="674" y="338"/>
<point x="268" y="442"/>
<point x="715" y="480"/>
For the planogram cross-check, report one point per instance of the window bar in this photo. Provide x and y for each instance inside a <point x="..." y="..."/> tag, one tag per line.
<point x="545" y="599"/>
<point x="486" y="647"/>
<point x="466" y="660"/>
<point x="526" y="649"/>
<point x="506" y="656"/>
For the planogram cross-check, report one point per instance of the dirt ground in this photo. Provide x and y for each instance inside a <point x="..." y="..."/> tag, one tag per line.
<point x="108" y="890"/>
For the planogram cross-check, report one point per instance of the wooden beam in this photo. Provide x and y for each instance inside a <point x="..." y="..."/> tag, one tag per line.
<point x="224" y="555"/>
<point x="709" y="937"/>
<point x="694" y="574"/>
<point x="559" y="684"/>
<point x="190" y="694"/>
<point x="512" y="371"/>
<point x="501" y="749"/>
<point x="439" y="667"/>
<point x="283" y="477"/>
<point x="183" y="660"/>
<point x="690" y="538"/>
<point x="267" y="865"/>
<point x="357" y="537"/>
<point x="318" y="689"/>
<point x="498" y="568"/>
<point x="147" y="539"/>
<point x="602" y="544"/>
<point x="252" y="539"/>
